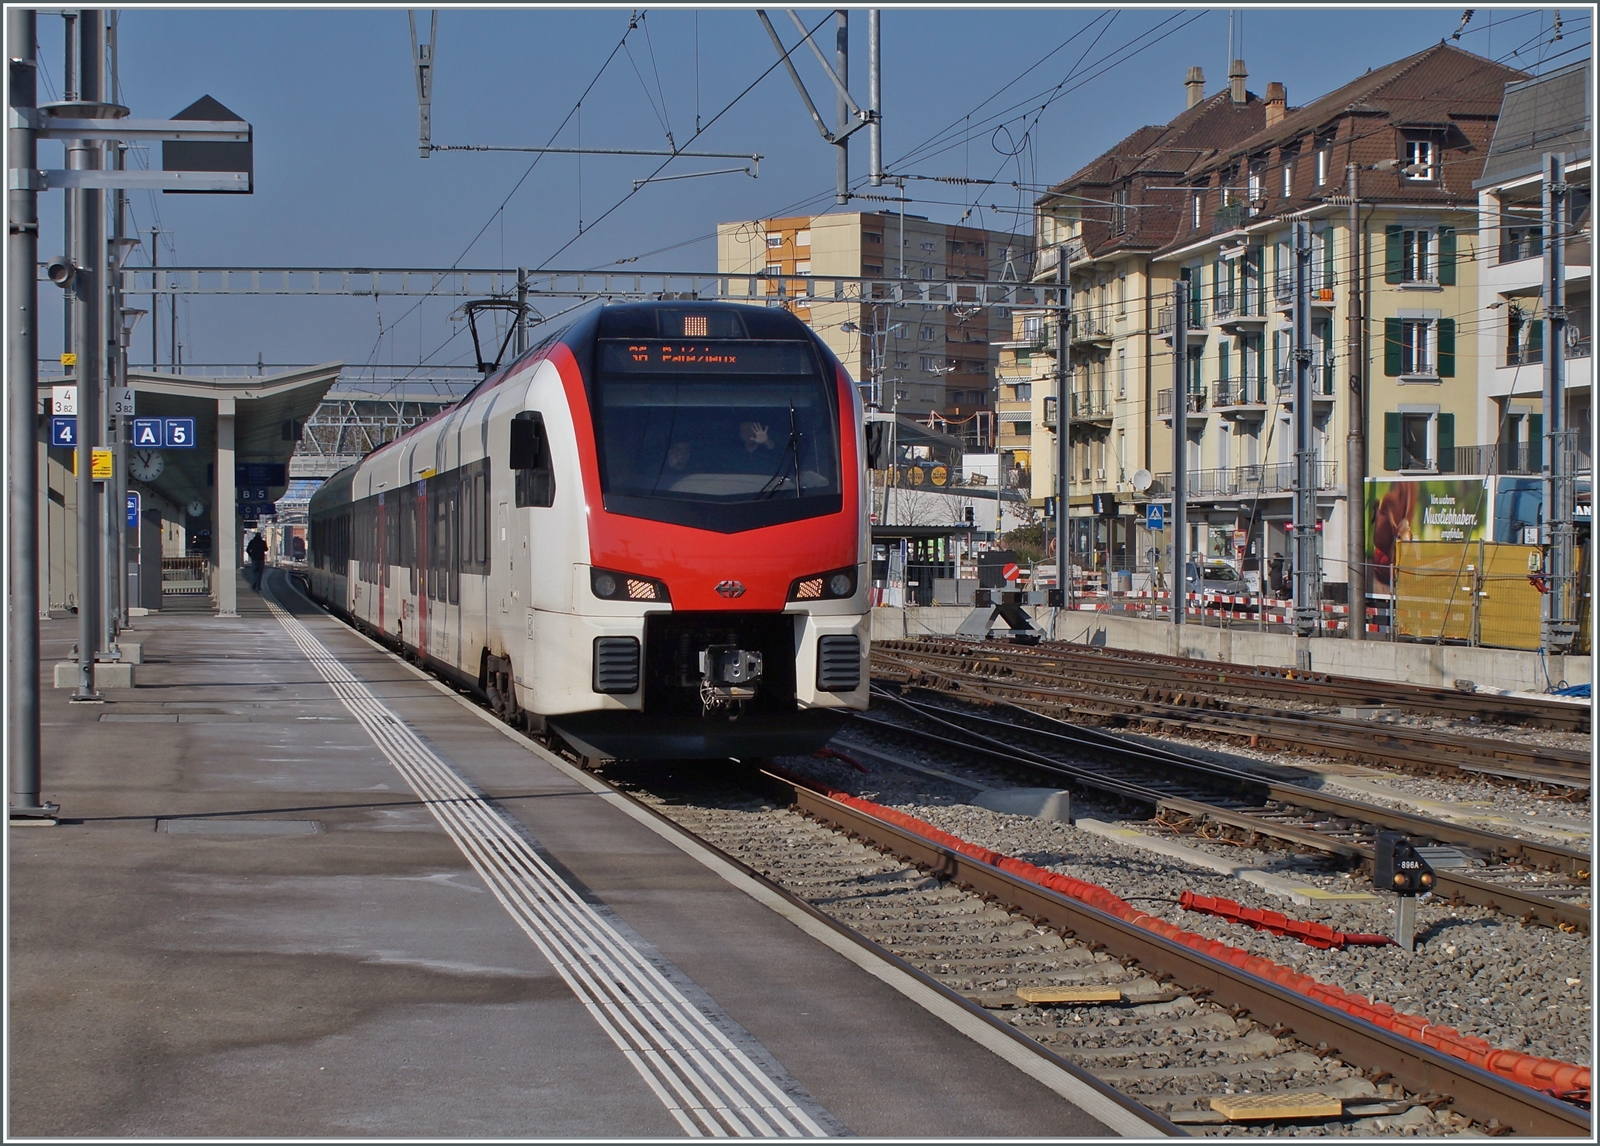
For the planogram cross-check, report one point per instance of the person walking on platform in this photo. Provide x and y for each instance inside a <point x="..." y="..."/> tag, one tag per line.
<point x="257" y="552"/>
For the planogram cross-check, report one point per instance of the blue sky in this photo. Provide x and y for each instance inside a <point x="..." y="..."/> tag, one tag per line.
<point x="339" y="182"/>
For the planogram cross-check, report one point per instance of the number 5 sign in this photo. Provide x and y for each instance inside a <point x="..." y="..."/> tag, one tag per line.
<point x="177" y="433"/>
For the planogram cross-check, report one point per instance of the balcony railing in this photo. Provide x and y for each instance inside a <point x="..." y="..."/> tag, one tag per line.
<point x="1321" y="380"/>
<point x="1242" y="391"/>
<point x="1499" y="458"/>
<point x="1196" y="403"/>
<point x="1090" y="404"/>
<point x="1229" y="218"/>
<point x="1321" y="288"/>
<point x="1250" y="481"/>
<point x="1518" y="243"/>
<point x="1088" y="325"/>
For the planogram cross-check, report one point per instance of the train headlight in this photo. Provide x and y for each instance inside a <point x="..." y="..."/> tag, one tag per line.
<point x="609" y="585"/>
<point x="830" y="586"/>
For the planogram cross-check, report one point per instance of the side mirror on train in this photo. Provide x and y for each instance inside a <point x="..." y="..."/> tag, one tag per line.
<point x="880" y="451"/>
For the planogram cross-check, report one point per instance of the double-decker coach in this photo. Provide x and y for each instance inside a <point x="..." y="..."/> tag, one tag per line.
<point x="648" y="534"/>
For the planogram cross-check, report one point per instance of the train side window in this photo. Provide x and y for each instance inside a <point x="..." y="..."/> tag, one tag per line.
<point x="530" y="460"/>
<point x="482" y="499"/>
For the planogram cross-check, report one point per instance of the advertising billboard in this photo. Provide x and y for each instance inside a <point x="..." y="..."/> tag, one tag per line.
<point x="1421" y="509"/>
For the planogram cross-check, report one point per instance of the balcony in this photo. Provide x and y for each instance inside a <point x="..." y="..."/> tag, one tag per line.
<point x="1091" y="405"/>
<point x="1321" y="381"/>
<point x="1518" y="243"/>
<point x="1249" y="481"/>
<point x="1229" y="218"/>
<point x="1245" y="396"/>
<point x="1196" y="324"/>
<point x="1196" y="403"/>
<point x="1283" y="290"/>
<point x="1500" y="458"/>
<point x="1237" y="311"/>
<point x="1090" y="326"/>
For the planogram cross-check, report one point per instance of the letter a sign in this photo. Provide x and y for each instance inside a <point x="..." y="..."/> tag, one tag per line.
<point x="147" y="433"/>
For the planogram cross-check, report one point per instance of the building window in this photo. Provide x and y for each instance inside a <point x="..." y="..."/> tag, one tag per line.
<point x="1288" y="178"/>
<point x="1119" y="210"/>
<point x="774" y="240"/>
<point x="1255" y="180"/>
<point x="1416" y="442"/>
<point x="1122" y="373"/>
<point x="1023" y="391"/>
<point x="1416" y="263"/>
<point x="803" y="267"/>
<point x="927" y="246"/>
<point x="1324" y="160"/>
<point x="929" y="333"/>
<point x="872" y="237"/>
<point x="774" y="269"/>
<point x="1421" y="162"/>
<point x="802" y="238"/>
<point x="1416" y="346"/>
<point x="871" y="270"/>
<point x="1195" y="203"/>
<point x="928" y="364"/>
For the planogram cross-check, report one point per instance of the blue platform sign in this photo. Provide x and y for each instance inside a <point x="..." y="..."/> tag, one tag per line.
<point x="1155" y="516"/>
<point x="64" y="431"/>
<point x="147" y="433"/>
<point x="133" y="509"/>
<point x="177" y="433"/>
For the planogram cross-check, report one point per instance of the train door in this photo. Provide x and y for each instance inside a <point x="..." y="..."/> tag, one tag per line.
<point x="504" y="554"/>
<point x="382" y="586"/>
<point x="424" y="565"/>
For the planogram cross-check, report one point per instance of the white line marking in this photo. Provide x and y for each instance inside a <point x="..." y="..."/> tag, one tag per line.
<point x="708" y="1085"/>
<point x="1116" y="1117"/>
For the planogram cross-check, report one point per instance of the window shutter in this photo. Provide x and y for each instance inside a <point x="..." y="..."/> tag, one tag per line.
<point x="1327" y="259"/>
<point x="1536" y="340"/>
<point x="1447" y="256"/>
<point x="1391" y="441"/>
<point x="1535" y="442"/>
<point x="1391" y="352"/>
<point x="1222" y="360"/>
<point x="1445" y="463"/>
<point x="1391" y="256"/>
<point x="1447" y="348"/>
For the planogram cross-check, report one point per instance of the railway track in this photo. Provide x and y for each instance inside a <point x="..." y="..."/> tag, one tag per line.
<point x="1191" y="794"/>
<point x="1131" y="667"/>
<point x="1173" y="1028"/>
<point x="980" y="670"/>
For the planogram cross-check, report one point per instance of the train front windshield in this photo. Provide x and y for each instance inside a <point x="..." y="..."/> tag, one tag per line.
<point x="724" y="435"/>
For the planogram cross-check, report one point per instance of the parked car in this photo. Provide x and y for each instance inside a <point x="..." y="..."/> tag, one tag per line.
<point x="1215" y="577"/>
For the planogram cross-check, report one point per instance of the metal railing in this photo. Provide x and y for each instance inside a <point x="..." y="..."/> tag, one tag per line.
<point x="1518" y="243"/>
<point x="1497" y="458"/>
<point x="1246" y="390"/>
<point x="1229" y="218"/>
<point x="1251" y="480"/>
<point x="1321" y="288"/>
<point x="1090" y="404"/>
<point x="1089" y="324"/>
<point x="1196" y="402"/>
<point x="1321" y="380"/>
<point x="185" y="576"/>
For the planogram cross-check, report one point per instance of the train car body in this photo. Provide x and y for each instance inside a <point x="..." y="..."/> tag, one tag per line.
<point x="648" y="533"/>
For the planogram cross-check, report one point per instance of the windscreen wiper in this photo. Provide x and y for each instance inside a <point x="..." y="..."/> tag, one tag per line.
<point x="791" y="450"/>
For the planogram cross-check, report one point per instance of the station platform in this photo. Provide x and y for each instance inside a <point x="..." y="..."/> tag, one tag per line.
<point x="301" y="889"/>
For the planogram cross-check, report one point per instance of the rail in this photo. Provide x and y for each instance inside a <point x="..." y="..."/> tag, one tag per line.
<point x="1477" y="1092"/>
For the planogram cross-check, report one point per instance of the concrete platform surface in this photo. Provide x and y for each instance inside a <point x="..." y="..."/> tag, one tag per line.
<point x="250" y="923"/>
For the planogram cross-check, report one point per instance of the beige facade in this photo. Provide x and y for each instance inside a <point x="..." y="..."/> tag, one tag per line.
<point x="920" y="360"/>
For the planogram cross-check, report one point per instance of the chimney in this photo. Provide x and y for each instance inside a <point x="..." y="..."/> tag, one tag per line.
<point x="1277" y="102"/>
<point x="1195" y="85"/>
<point x="1236" y="78"/>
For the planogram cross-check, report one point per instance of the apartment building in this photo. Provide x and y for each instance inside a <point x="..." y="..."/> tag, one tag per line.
<point x="1409" y="140"/>
<point x="1547" y="115"/>
<point x="1384" y="165"/>
<point x="923" y="361"/>
<point x="1109" y="221"/>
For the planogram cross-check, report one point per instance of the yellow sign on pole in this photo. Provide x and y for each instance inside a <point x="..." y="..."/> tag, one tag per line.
<point x="69" y="359"/>
<point x="102" y="468"/>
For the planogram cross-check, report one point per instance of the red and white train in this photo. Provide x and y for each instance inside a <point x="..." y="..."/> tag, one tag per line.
<point x="648" y="533"/>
